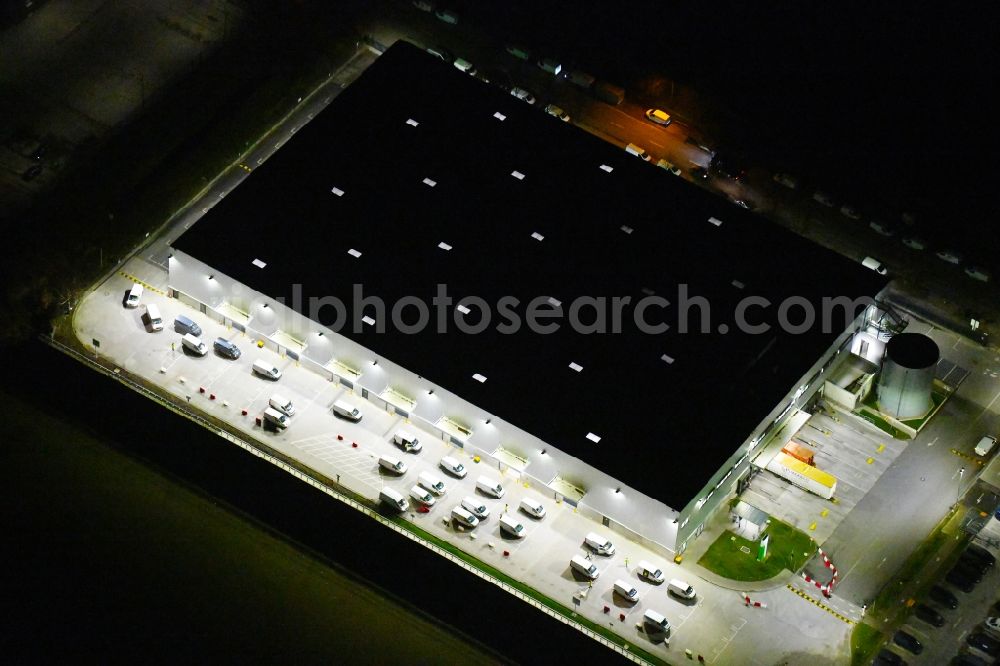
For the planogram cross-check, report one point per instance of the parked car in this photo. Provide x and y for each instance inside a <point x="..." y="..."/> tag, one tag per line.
<point x="907" y="642"/>
<point x="850" y="212"/>
<point x="929" y="615"/>
<point x="465" y="66"/>
<point x="882" y="228"/>
<point x="971" y="562"/>
<point x="728" y="169"/>
<point x="950" y="256"/>
<point x="980" y="553"/>
<point x="226" y="348"/>
<point x="423" y="5"/>
<point x="447" y="15"/>
<point x="961" y="580"/>
<point x="550" y="65"/>
<point x="422" y="495"/>
<point x="888" y="658"/>
<point x="664" y="164"/>
<point x="984" y="643"/>
<point x="823" y="198"/>
<point x="943" y="597"/>
<point x="556" y="111"/>
<point x="498" y="77"/>
<point x="518" y="51"/>
<point x="786" y="179"/>
<point x="522" y="95"/>
<point x="992" y="625"/>
<point x="914" y="243"/>
<point x="453" y="467"/>
<point x="968" y="660"/>
<point x="442" y="53"/>
<point x="977" y="273"/>
<point x="658" y="116"/>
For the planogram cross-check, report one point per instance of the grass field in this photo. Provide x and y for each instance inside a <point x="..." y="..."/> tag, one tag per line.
<point x="735" y="558"/>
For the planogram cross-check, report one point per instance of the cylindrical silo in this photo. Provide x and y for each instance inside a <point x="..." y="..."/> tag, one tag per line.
<point x="904" y="389"/>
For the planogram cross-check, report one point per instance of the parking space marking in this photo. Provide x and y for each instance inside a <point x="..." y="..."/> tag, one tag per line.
<point x="967" y="457"/>
<point x="734" y="629"/>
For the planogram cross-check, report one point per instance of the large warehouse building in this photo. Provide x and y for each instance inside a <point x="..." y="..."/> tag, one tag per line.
<point x="419" y="178"/>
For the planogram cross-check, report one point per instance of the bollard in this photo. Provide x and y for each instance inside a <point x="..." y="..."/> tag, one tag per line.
<point x="621" y="617"/>
<point x="201" y="389"/>
<point x="211" y="396"/>
<point x="607" y="609"/>
<point x="354" y="445"/>
<point x="258" y="421"/>
<point x="340" y="438"/>
<point x="506" y="553"/>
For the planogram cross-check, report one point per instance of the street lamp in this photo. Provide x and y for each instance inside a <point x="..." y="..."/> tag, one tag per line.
<point x="961" y="475"/>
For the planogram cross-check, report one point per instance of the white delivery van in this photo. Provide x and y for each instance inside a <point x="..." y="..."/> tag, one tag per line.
<point x="985" y="445"/>
<point x="151" y="318"/>
<point x="394" y="499"/>
<point x="681" y="588"/>
<point x="476" y="507"/>
<point x="422" y="495"/>
<point x="875" y="265"/>
<point x="633" y="149"/>
<point x="452" y="466"/>
<point x="346" y="411"/>
<point x="277" y="418"/>
<point x="134" y="296"/>
<point x="626" y="589"/>
<point x="431" y="482"/>
<point x="654" y="619"/>
<point x="650" y="572"/>
<point x="407" y="441"/>
<point x="511" y="526"/>
<point x="463" y="517"/>
<point x="392" y="464"/>
<point x="282" y="404"/>
<point x="584" y="566"/>
<point x="533" y="508"/>
<point x="599" y="544"/>
<point x="490" y="486"/>
<point x="195" y="344"/>
<point x="266" y="369"/>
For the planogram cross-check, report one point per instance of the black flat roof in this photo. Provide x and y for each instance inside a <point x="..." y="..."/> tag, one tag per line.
<point x="568" y="228"/>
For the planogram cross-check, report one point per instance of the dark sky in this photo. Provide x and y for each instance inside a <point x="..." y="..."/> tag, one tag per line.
<point x="888" y="104"/>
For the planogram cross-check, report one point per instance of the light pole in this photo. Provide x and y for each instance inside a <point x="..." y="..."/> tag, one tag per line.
<point x="961" y="475"/>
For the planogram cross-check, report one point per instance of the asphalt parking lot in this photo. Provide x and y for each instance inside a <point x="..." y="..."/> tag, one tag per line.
<point x="716" y="625"/>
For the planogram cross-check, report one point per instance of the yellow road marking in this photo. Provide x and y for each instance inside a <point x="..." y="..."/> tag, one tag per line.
<point x="870" y="461"/>
<point x="967" y="457"/>
<point x="144" y="284"/>
<point x="819" y="605"/>
<point x="812" y="526"/>
<point x="824" y="512"/>
<point x="880" y="449"/>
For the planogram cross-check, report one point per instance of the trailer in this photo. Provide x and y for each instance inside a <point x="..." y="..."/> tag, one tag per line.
<point x="804" y="476"/>
<point x="799" y="451"/>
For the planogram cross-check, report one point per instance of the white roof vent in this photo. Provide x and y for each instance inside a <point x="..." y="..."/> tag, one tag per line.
<point x="499" y="116"/>
<point x="258" y="263"/>
<point x="738" y="284"/>
<point x="517" y="174"/>
<point x="444" y="246"/>
<point x="461" y="308"/>
<point x="368" y="320"/>
<point x="339" y="192"/>
<point x="555" y="302"/>
<point x="647" y="291"/>
<point x="667" y="359"/>
<point x="605" y="167"/>
<point x="429" y="183"/>
<point x="576" y="367"/>
<point x="537" y="236"/>
<point x="479" y="378"/>
<point x="716" y="221"/>
<point x="354" y="253"/>
<point x="594" y="438"/>
<point x="627" y="229"/>
<point x="411" y="122"/>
